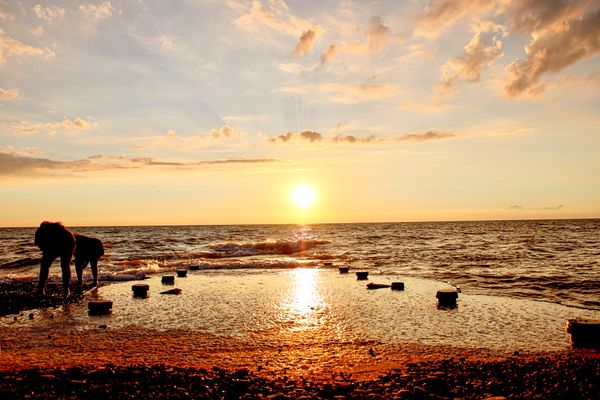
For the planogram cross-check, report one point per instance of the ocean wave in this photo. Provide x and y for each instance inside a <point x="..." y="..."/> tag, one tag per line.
<point x="268" y="247"/>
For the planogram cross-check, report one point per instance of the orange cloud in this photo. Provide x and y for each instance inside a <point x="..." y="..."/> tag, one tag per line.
<point x="13" y="163"/>
<point x="305" y="44"/>
<point x="554" y="47"/>
<point x="50" y="13"/>
<point x="12" y="47"/>
<point x="7" y="95"/>
<point x="440" y="15"/>
<point x="312" y="137"/>
<point x="31" y="128"/>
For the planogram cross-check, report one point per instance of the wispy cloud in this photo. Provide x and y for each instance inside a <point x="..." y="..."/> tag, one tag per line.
<point x="8" y="94"/>
<point x="440" y="15"/>
<point x="171" y="140"/>
<point x="274" y="15"/>
<point x="376" y="36"/>
<point x="17" y="163"/>
<point x="12" y="47"/>
<point x="519" y="207"/>
<point x="49" y="13"/>
<point x="305" y="44"/>
<point x="49" y="128"/>
<point x="98" y="12"/>
<point x="316" y="137"/>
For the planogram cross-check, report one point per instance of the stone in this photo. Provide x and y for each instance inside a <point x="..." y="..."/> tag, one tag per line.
<point x="172" y="291"/>
<point x="100" y="307"/>
<point x="397" y="285"/>
<point x="362" y="275"/>
<point x="168" y="280"/>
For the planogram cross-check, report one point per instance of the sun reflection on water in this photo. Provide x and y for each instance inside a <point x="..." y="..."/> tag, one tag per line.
<point x="305" y="308"/>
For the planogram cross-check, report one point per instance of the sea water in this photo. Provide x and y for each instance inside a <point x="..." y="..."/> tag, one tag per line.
<point x="519" y="282"/>
<point x="550" y="260"/>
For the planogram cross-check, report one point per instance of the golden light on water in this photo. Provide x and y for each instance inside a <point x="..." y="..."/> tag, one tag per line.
<point x="305" y="307"/>
<point x="303" y="195"/>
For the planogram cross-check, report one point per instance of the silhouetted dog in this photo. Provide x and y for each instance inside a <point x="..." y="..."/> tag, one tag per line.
<point x="87" y="250"/>
<point x="55" y="241"/>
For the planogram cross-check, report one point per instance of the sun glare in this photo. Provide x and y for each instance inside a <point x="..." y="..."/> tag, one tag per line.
<point x="303" y="195"/>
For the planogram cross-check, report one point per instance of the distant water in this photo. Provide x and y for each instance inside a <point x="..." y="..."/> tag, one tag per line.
<point x="551" y="260"/>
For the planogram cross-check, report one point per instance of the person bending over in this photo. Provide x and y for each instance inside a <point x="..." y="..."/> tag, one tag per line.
<point x="87" y="250"/>
<point x="55" y="241"/>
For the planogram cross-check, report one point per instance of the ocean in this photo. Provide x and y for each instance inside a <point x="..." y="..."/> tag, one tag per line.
<point x="555" y="261"/>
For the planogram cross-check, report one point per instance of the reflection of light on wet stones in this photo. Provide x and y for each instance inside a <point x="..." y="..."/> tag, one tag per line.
<point x="397" y="285"/>
<point x="140" y="290"/>
<point x="584" y="332"/>
<point x="344" y="270"/>
<point x="168" y="280"/>
<point x="181" y="272"/>
<point x="362" y="275"/>
<point x="447" y="297"/>
<point x="100" y="307"/>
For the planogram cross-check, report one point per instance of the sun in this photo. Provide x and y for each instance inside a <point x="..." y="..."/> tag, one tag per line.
<point x="303" y="195"/>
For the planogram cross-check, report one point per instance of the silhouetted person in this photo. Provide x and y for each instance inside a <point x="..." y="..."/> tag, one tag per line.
<point x="87" y="250"/>
<point x="55" y="241"/>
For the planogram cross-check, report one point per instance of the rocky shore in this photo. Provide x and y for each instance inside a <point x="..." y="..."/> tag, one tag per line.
<point x="563" y="377"/>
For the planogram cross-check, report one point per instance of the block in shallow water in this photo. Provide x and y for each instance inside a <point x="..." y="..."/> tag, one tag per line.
<point x="344" y="270"/>
<point x="194" y="267"/>
<point x="140" y="290"/>
<point x="397" y="285"/>
<point x="584" y="332"/>
<point x="447" y="297"/>
<point x="100" y="307"/>
<point x="168" y="279"/>
<point x="182" y="272"/>
<point x="362" y="275"/>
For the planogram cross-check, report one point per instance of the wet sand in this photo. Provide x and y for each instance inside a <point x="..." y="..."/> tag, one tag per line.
<point x="52" y="354"/>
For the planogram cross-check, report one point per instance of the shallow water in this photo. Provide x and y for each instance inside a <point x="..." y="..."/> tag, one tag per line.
<point x="325" y="306"/>
<point x="555" y="261"/>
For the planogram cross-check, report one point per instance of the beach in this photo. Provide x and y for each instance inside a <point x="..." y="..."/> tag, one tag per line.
<point x="202" y="344"/>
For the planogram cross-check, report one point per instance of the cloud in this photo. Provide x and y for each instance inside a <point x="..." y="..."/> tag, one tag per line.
<point x="8" y="94"/>
<point x="329" y="54"/>
<point x="276" y="16"/>
<point x="49" y="128"/>
<point x="13" y="47"/>
<point x="519" y="207"/>
<point x="483" y="49"/>
<point x="50" y="13"/>
<point x="377" y="34"/>
<point x="376" y="37"/>
<point x="13" y="163"/>
<point x="171" y="140"/>
<point x="554" y="48"/>
<point x="313" y="137"/>
<point x="305" y="44"/>
<point x="226" y="132"/>
<point x="309" y="136"/>
<point x="6" y="16"/>
<point x="98" y="12"/>
<point x="440" y="15"/>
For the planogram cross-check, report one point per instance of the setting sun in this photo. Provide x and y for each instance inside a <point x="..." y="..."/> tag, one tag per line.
<point x="303" y="195"/>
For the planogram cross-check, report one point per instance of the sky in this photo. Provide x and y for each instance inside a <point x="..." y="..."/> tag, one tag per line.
<point x="211" y="112"/>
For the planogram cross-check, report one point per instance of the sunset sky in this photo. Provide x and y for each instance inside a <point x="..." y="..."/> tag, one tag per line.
<point x="212" y="112"/>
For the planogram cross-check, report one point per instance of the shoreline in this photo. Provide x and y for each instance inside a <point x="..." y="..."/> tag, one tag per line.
<point x="60" y="358"/>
